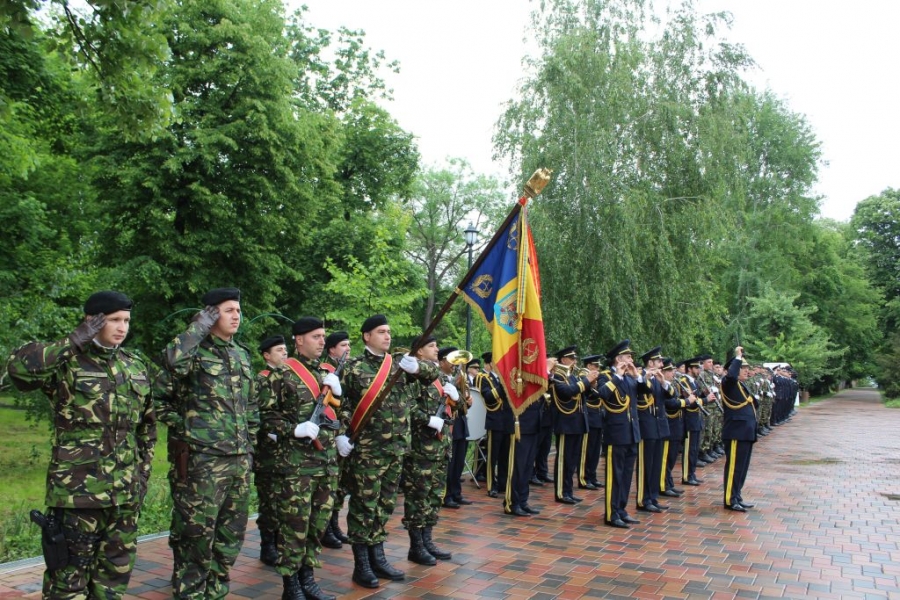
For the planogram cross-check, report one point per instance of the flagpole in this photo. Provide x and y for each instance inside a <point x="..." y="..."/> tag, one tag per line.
<point x="533" y="187"/>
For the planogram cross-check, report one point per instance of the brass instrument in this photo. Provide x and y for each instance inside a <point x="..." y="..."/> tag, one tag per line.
<point x="563" y="370"/>
<point x="459" y="359"/>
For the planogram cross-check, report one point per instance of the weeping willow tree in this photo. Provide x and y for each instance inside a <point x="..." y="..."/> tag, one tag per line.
<point x="640" y="130"/>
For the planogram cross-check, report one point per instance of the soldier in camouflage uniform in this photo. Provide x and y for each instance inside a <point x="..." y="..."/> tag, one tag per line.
<point x="103" y="437"/>
<point x="337" y="349"/>
<point x="274" y="352"/>
<point x="306" y="472"/>
<point x="712" y="425"/>
<point x="374" y="463"/>
<point x="425" y="465"/>
<point x="206" y="395"/>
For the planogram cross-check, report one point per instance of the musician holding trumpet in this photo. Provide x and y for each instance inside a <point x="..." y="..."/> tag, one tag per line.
<point x="450" y="361"/>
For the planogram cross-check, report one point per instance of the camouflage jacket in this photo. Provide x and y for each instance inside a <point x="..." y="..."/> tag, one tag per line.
<point x="264" y="455"/>
<point x="284" y="402"/>
<point x="427" y="401"/>
<point x="388" y="430"/>
<point x="104" y="427"/>
<point x="206" y="394"/>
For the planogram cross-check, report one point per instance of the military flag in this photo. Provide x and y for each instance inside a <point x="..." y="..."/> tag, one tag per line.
<point x="505" y="291"/>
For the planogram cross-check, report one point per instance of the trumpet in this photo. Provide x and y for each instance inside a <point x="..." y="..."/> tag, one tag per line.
<point x="459" y="359"/>
<point x="563" y="370"/>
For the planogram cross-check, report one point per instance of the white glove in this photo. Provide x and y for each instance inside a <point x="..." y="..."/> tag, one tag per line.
<point x="306" y="429"/>
<point x="436" y="423"/>
<point x="343" y="445"/>
<point x="273" y="437"/>
<point x="332" y="381"/>
<point x="451" y="391"/>
<point x="409" y="364"/>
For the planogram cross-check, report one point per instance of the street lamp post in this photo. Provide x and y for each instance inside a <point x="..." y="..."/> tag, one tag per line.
<point x="471" y="234"/>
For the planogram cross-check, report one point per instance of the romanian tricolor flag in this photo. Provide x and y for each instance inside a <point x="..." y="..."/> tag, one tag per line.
<point x="505" y="291"/>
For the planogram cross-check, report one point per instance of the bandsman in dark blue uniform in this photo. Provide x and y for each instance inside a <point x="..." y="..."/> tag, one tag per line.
<point x="738" y="431"/>
<point x="453" y="497"/>
<point x="498" y="423"/>
<point x="673" y="443"/>
<point x="541" y="472"/>
<point x="693" y="423"/>
<point x="593" y="441"/>
<point x="571" y="426"/>
<point x="654" y="391"/>
<point x="621" y="432"/>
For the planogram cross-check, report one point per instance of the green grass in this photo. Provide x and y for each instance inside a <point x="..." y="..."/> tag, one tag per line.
<point x="24" y="455"/>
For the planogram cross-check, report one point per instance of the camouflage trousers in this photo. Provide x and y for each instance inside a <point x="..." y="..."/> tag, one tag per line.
<point x="102" y="543"/>
<point x="765" y="410"/>
<point x="304" y="507"/>
<point x="266" y="483"/>
<point x="424" y="482"/>
<point x="339" y="487"/>
<point x="209" y="518"/>
<point x="372" y="481"/>
<point x="712" y="429"/>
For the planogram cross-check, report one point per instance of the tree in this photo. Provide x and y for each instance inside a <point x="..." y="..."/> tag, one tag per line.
<point x="443" y="201"/>
<point x="779" y="330"/>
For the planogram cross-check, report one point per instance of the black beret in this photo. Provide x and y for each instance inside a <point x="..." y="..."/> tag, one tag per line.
<point x="473" y="363"/>
<point x="591" y="359"/>
<point x="373" y="322"/>
<point x="567" y="351"/>
<point x="334" y="338"/>
<point x="220" y="295"/>
<point x="272" y="340"/>
<point x="668" y="365"/>
<point x="443" y="352"/>
<point x="107" y="302"/>
<point x="488" y="357"/>
<point x="704" y="357"/>
<point x="623" y="347"/>
<point x="306" y="324"/>
<point x="420" y="343"/>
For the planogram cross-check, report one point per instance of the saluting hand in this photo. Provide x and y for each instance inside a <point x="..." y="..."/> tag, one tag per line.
<point x="87" y="330"/>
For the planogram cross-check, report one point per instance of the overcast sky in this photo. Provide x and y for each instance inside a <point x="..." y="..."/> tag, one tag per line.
<point x="835" y="62"/>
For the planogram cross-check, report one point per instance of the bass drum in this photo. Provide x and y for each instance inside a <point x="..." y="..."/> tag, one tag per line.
<point x="476" y="416"/>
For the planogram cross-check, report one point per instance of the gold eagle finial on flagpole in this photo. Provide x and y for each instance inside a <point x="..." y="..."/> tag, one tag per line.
<point x="538" y="182"/>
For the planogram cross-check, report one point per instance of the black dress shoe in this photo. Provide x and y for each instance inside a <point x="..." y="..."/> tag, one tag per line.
<point x="589" y="486"/>
<point x="597" y="484"/>
<point x="701" y="463"/>
<point x="746" y="504"/>
<point x="577" y="499"/>
<point x="493" y="493"/>
<point x="618" y="523"/>
<point x="566" y="500"/>
<point x="677" y="491"/>
<point x="530" y="509"/>
<point x="661" y="506"/>
<point x="630" y="520"/>
<point x="451" y="504"/>
<point x="736" y="507"/>
<point x="649" y="508"/>
<point x="547" y="479"/>
<point x="463" y="502"/>
<point x="691" y="482"/>
<point x="535" y="481"/>
<point x="670" y="493"/>
<point x="518" y="511"/>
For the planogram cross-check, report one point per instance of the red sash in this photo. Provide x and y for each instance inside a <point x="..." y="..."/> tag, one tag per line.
<point x="310" y="381"/>
<point x="328" y="367"/>
<point x="440" y="388"/>
<point x="360" y="413"/>
<point x="265" y="372"/>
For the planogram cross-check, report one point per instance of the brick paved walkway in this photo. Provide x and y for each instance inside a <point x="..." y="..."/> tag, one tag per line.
<point x="827" y="492"/>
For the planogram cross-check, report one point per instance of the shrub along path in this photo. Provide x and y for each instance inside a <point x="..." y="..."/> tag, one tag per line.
<point x="827" y="492"/>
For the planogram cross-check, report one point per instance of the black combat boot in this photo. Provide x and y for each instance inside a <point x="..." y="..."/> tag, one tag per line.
<point x="329" y="540"/>
<point x="336" y="527"/>
<point x="292" y="589"/>
<point x="380" y="565"/>
<point x="268" y="551"/>
<point x="417" y="552"/>
<point x="309" y="585"/>
<point x="362" y="570"/>
<point x="432" y="549"/>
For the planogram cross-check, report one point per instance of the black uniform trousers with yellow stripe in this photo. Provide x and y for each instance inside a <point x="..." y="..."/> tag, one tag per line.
<point x="593" y="448"/>
<point x="569" y="448"/>
<point x="737" y="463"/>
<point x="619" y="469"/>
<point x="691" y="453"/>
<point x="671" y="448"/>
<point x="649" y="467"/>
